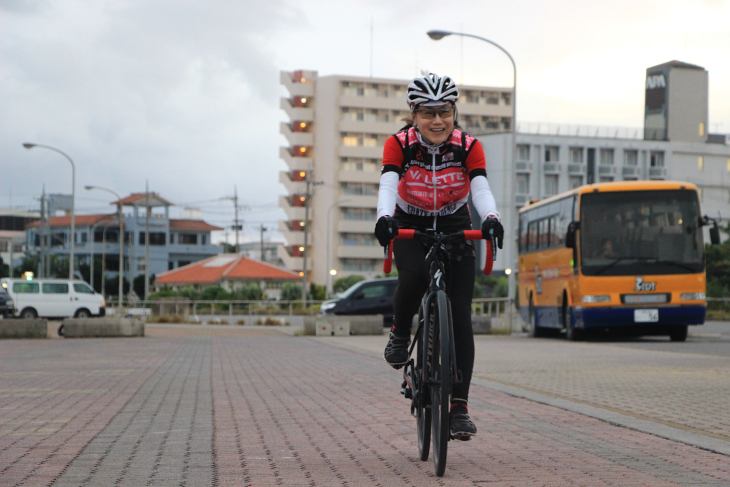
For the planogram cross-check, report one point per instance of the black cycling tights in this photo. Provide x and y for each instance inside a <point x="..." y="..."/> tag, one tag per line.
<point x="412" y="283"/>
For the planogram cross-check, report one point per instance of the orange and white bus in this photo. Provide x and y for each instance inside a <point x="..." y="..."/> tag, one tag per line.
<point x="626" y="255"/>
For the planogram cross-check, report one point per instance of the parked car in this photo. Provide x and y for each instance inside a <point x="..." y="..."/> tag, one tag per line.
<point x="54" y="298"/>
<point x="371" y="297"/>
<point x="7" y="306"/>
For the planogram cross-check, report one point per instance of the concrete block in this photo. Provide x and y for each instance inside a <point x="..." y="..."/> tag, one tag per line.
<point x="366" y="325"/>
<point x="341" y="328"/>
<point x="482" y="325"/>
<point x="324" y="328"/>
<point x="102" y="327"/>
<point x="309" y="324"/>
<point x="13" y="328"/>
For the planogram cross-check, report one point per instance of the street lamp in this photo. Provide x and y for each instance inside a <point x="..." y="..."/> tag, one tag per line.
<point x="440" y="34"/>
<point x="121" y="238"/>
<point x="29" y="145"/>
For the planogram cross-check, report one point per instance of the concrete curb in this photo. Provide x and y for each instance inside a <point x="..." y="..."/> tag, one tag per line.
<point x="657" y="429"/>
<point x="18" y="328"/>
<point x="102" y="327"/>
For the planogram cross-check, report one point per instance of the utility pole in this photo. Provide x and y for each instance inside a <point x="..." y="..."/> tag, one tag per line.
<point x="263" y="255"/>
<point x="307" y="196"/>
<point x="236" y="225"/>
<point x="147" y="241"/>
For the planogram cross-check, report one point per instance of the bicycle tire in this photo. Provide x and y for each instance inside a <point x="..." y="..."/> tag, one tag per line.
<point x="423" y="413"/>
<point x="441" y="390"/>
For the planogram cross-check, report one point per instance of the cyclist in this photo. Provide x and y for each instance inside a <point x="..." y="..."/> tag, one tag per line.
<point x="429" y="168"/>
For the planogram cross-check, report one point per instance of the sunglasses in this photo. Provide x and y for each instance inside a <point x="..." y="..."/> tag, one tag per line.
<point x="430" y="113"/>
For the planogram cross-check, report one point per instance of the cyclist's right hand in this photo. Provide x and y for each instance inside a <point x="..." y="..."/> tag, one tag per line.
<point x="386" y="229"/>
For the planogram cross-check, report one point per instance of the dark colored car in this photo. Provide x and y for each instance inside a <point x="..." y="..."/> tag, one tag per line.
<point x="7" y="306"/>
<point x="371" y="297"/>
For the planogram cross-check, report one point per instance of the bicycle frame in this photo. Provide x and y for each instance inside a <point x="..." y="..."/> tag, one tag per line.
<point x="421" y="377"/>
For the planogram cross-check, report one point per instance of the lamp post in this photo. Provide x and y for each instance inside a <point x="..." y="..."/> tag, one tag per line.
<point x="121" y="237"/>
<point x="29" y="145"/>
<point x="329" y="268"/>
<point x="440" y="34"/>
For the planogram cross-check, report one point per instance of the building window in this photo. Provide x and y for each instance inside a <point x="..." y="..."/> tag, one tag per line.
<point x="523" y="152"/>
<point x="359" y="239"/>
<point x="350" y="140"/>
<point x="576" y="155"/>
<point x="360" y="189"/>
<point x="370" y="140"/>
<point x="359" y="164"/>
<point x="606" y="157"/>
<point x="507" y="98"/>
<point x="551" y="185"/>
<point x="188" y="238"/>
<point x="352" y="89"/>
<point x="575" y="181"/>
<point x="631" y="158"/>
<point x="700" y="163"/>
<point x="367" y="214"/>
<point x="156" y="238"/>
<point x="605" y="179"/>
<point x="523" y="183"/>
<point x="551" y="154"/>
<point x="656" y="159"/>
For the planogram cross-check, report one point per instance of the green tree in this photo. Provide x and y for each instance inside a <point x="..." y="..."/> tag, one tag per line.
<point x="4" y="268"/>
<point x="29" y="264"/>
<point x="291" y="292"/>
<point x="344" y="283"/>
<point x="138" y="284"/>
<point x="249" y="293"/>
<point x="317" y="293"/>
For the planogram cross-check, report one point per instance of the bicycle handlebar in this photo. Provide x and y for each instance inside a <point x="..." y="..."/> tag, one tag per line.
<point x="408" y="234"/>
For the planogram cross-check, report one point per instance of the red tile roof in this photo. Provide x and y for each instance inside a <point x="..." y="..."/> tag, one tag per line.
<point x="191" y="225"/>
<point x="224" y="267"/>
<point x="80" y="220"/>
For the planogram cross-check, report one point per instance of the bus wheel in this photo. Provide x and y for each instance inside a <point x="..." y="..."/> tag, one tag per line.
<point x="571" y="333"/>
<point x="534" y="331"/>
<point x="678" y="333"/>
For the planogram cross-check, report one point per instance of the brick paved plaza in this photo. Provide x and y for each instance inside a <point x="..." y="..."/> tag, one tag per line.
<point x="255" y="407"/>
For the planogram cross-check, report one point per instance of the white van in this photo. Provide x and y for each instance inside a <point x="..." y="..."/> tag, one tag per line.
<point x="54" y="298"/>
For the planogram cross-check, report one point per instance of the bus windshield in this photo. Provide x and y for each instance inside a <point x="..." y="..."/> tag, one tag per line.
<point x="641" y="232"/>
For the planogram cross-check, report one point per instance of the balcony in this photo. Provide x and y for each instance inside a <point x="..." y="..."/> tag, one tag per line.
<point x="551" y="168"/>
<point x="387" y="128"/>
<point x="294" y="264"/>
<point x="297" y="87"/>
<point x="360" y="251"/>
<point x="630" y="171"/>
<point x="292" y="212"/>
<point x="292" y="186"/>
<point x="358" y="201"/>
<point x="657" y="173"/>
<point x="372" y="102"/>
<point x="295" y="163"/>
<point x="296" y="138"/>
<point x="291" y="237"/>
<point x="375" y="152"/>
<point x="523" y="166"/>
<point x="355" y="226"/>
<point x="296" y="113"/>
<point x="606" y="170"/>
<point x="577" y="169"/>
<point x="359" y="176"/>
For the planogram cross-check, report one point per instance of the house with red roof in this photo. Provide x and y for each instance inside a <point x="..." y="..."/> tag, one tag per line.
<point x="231" y="272"/>
<point x="173" y="242"/>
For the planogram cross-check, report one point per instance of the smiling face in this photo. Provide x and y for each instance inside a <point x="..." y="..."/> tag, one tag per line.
<point x="435" y="123"/>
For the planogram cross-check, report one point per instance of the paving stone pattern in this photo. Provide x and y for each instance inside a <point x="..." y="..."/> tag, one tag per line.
<point x="215" y="406"/>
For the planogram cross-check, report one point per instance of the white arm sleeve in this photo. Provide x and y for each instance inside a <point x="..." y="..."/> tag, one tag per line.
<point x="387" y="193"/>
<point x="481" y="195"/>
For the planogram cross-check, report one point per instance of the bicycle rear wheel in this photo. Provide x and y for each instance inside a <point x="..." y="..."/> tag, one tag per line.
<point x="423" y="412"/>
<point x="441" y="384"/>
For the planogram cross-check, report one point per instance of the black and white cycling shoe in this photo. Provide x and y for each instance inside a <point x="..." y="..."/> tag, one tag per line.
<point x="396" y="351"/>
<point x="461" y="426"/>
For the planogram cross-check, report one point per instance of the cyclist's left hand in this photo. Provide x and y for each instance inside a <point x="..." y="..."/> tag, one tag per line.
<point x="386" y="229"/>
<point x="492" y="226"/>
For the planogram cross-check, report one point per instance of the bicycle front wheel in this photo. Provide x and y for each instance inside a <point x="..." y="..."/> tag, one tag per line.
<point x="423" y="412"/>
<point x="441" y="383"/>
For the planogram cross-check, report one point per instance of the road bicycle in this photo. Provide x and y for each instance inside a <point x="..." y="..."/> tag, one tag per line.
<point x="428" y="380"/>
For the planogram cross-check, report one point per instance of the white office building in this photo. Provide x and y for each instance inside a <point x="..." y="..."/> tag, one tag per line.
<point x="336" y="131"/>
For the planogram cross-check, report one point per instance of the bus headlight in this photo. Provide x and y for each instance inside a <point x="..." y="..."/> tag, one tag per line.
<point x="604" y="298"/>
<point x="692" y="296"/>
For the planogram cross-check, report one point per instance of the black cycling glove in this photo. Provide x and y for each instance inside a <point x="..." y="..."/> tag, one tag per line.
<point x="386" y="229"/>
<point x="492" y="227"/>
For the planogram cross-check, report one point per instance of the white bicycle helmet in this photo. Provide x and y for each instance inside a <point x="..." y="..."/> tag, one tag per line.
<point x="431" y="90"/>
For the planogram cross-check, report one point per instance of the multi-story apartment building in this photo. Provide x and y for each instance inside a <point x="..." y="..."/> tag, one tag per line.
<point x="674" y="145"/>
<point x="336" y="131"/>
<point x="172" y="242"/>
<point x="12" y="235"/>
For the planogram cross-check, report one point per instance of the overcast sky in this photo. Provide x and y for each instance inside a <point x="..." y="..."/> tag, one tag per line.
<point x="185" y="94"/>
